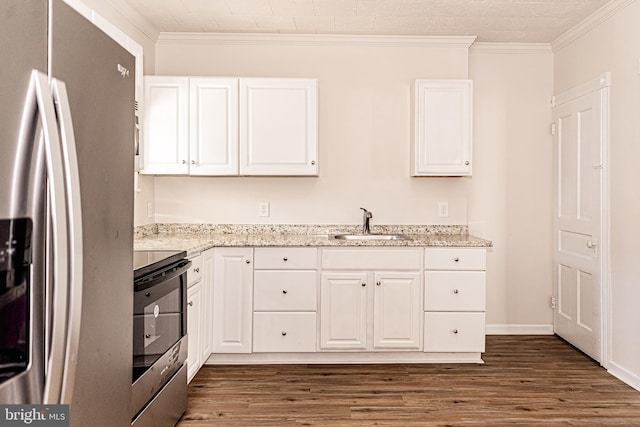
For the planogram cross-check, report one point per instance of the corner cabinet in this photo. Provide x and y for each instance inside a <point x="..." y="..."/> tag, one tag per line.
<point x="442" y="128"/>
<point x="214" y="126"/>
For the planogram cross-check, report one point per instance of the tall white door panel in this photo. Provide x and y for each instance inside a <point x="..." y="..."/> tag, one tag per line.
<point x="213" y="126"/>
<point x="580" y="124"/>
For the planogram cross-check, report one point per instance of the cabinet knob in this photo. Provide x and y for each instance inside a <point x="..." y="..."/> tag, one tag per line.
<point x="147" y="336"/>
<point x="364" y="284"/>
<point x="455" y="291"/>
<point x="147" y="294"/>
<point x="378" y="283"/>
<point x="285" y="259"/>
<point x="313" y="162"/>
<point x="184" y="162"/>
<point x="196" y="270"/>
<point x="193" y="162"/>
<point x="456" y="259"/>
<point x="455" y="331"/>
<point x="248" y="261"/>
<point x="284" y="291"/>
<point x="466" y="163"/>
<point x="284" y="333"/>
<point x="190" y="303"/>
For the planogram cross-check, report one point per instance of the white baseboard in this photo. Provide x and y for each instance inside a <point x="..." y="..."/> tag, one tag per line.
<point x="624" y="375"/>
<point x="519" y="329"/>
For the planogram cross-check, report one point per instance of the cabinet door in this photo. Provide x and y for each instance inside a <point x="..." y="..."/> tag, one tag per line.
<point x="442" y="115"/>
<point x="278" y="126"/>
<point x="397" y="311"/>
<point x="166" y="125"/>
<point x="213" y="127"/>
<point x="232" y="300"/>
<point x="343" y="311"/>
<point x="194" y="320"/>
<point x="206" y="332"/>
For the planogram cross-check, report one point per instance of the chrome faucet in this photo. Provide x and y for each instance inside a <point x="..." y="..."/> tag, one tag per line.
<point x="365" y="221"/>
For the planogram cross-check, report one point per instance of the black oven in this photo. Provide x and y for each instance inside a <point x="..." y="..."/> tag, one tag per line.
<point x="159" y="335"/>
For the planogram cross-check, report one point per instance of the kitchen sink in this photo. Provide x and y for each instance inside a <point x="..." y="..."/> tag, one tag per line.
<point x="371" y="236"/>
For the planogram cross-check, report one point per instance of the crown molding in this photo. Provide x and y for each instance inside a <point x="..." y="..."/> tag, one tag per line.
<point x="135" y="18"/>
<point x="512" y="48"/>
<point x="589" y="23"/>
<point x="313" y="40"/>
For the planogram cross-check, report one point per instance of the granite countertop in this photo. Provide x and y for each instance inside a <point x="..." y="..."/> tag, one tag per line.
<point x="195" y="238"/>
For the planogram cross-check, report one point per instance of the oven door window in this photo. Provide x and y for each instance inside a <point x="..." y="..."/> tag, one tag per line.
<point x="157" y="322"/>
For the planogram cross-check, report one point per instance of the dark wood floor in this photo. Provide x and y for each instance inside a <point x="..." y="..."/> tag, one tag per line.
<point x="526" y="380"/>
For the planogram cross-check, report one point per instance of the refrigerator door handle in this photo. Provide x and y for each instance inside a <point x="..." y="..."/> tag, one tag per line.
<point x="40" y="94"/>
<point x="74" y="218"/>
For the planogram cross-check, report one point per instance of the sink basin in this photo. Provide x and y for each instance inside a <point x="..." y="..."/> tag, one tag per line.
<point x="370" y="237"/>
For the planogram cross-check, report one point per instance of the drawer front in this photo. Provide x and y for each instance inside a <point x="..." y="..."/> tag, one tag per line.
<point x="284" y="332"/>
<point x="454" y="290"/>
<point x="286" y="258"/>
<point x="194" y="274"/>
<point x="374" y="258"/>
<point x="454" y="332"/>
<point x="455" y="259"/>
<point x="285" y="291"/>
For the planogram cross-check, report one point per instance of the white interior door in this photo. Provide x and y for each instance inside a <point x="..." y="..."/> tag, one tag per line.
<point x="580" y="135"/>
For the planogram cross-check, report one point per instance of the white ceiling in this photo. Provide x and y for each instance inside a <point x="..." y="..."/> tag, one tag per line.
<point x="521" y="21"/>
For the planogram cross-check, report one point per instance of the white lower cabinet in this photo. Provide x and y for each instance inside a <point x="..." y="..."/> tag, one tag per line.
<point x="454" y="300"/>
<point x="353" y="305"/>
<point x="194" y="324"/>
<point x="232" y="300"/>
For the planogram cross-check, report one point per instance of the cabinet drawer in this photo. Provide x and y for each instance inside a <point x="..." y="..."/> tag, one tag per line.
<point x="194" y="274"/>
<point x="454" y="332"/>
<point x="454" y="290"/>
<point x="284" y="291"/>
<point x="284" y="332"/>
<point x="369" y="259"/>
<point x="455" y="258"/>
<point x="286" y="258"/>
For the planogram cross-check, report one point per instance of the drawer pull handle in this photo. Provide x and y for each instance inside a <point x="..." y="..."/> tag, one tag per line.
<point x="455" y="331"/>
<point x="147" y="336"/>
<point x="248" y="261"/>
<point x="196" y="270"/>
<point x="456" y="259"/>
<point x="284" y="333"/>
<point x="364" y="284"/>
<point x="455" y="291"/>
<point x="378" y="283"/>
<point x="190" y="303"/>
<point x="285" y="259"/>
<point x="284" y="291"/>
<point x="147" y="294"/>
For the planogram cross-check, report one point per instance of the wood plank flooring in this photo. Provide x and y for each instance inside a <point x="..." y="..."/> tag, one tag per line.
<point x="526" y="380"/>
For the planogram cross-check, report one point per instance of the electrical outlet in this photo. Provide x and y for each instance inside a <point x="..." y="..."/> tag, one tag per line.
<point x="443" y="209"/>
<point x="263" y="209"/>
<point x="149" y="210"/>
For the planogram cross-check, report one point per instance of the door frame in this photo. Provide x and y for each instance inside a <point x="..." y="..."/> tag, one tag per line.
<point x="601" y="83"/>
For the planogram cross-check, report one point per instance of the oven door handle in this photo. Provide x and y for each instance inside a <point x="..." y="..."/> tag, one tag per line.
<point x="164" y="276"/>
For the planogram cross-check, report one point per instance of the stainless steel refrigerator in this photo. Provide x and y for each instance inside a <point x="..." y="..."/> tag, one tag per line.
<point x="66" y="213"/>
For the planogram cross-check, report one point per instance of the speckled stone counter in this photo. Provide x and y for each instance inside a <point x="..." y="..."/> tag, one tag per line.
<point x="195" y="238"/>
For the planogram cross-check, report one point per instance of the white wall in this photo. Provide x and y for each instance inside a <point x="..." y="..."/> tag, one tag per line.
<point x="364" y="154"/>
<point x="614" y="46"/>
<point x="510" y="195"/>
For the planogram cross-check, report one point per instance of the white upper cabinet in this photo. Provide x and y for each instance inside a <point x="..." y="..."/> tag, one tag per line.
<point x="213" y="120"/>
<point x="166" y="125"/>
<point x="228" y="126"/>
<point x="278" y="126"/>
<point x="442" y="128"/>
